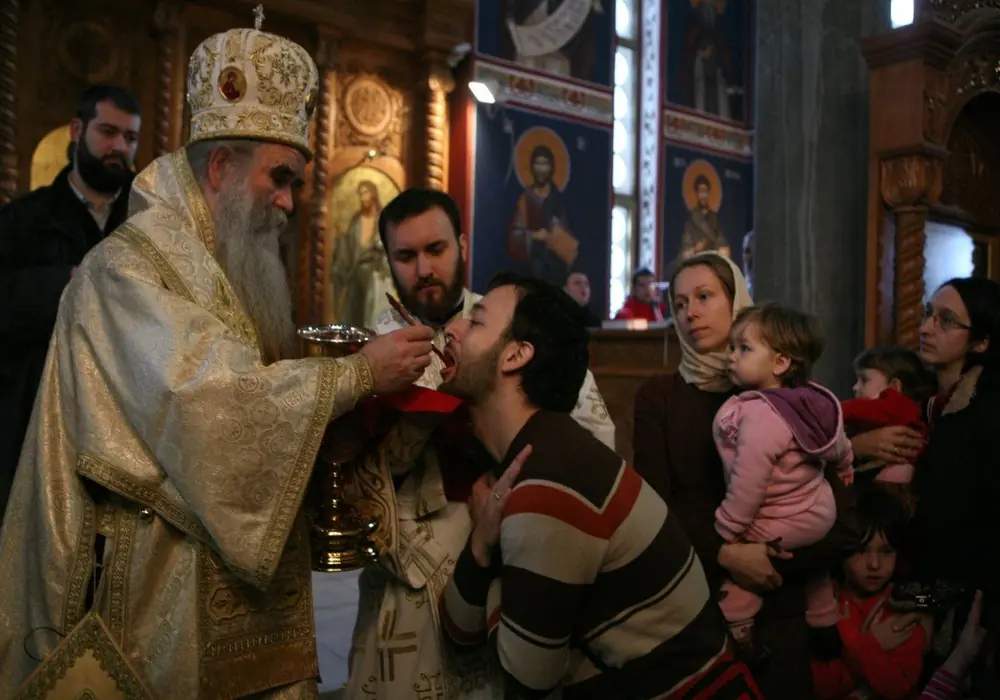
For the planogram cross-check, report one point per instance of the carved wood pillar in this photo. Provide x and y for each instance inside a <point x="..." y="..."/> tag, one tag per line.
<point x="910" y="92"/>
<point x="314" y="247"/>
<point x="8" y="99"/>
<point x="169" y="76"/>
<point x="439" y="84"/>
<point x="910" y="184"/>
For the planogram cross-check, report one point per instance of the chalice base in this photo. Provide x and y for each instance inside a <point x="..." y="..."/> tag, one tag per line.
<point x="342" y="542"/>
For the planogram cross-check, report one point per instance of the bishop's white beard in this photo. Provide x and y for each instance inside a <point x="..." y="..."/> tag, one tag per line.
<point x="248" y="233"/>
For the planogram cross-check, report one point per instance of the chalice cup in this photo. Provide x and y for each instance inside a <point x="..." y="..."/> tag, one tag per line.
<point x="340" y="535"/>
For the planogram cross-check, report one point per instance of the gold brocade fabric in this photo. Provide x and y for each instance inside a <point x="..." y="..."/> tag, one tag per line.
<point x="398" y="650"/>
<point x="159" y="425"/>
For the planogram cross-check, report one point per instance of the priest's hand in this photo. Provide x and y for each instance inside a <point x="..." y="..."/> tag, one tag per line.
<point x="398" y="359"/>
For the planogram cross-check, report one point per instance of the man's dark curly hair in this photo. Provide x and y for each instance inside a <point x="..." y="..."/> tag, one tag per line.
<point x="555" y="325"/>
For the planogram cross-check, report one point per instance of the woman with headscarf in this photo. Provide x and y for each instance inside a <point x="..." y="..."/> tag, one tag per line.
<point x="676" y="454"/>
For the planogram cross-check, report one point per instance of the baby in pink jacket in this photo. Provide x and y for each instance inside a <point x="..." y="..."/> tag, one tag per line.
<point x="776" y="440"/>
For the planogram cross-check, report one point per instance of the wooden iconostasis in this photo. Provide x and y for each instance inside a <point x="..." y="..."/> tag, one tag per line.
<point x="935" y="161"/>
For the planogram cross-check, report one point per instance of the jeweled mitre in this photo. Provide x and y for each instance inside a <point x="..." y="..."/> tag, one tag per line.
<point x="248" y="84"/>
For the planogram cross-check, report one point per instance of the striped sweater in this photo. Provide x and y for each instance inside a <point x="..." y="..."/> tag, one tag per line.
<point x="590" y="557"/>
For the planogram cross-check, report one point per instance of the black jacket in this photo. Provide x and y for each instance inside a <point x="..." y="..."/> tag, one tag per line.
<point x="43" y="236"/>
<point x="954" y="532"/>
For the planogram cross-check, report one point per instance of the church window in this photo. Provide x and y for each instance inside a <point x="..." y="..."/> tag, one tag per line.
<point x="624" y="148"/>
<point x="900" y="12"/>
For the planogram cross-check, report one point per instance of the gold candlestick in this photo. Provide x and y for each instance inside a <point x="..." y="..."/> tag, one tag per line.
<point x="340" y="536"/>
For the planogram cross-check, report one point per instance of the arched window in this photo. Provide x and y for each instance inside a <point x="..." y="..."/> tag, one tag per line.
<point x="626" y="121"/>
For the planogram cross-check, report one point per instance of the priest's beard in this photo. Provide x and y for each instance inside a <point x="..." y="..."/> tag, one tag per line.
<point x="436" y="312"/>
<point x="248" y="231"/>
<point x="476" y="377"/>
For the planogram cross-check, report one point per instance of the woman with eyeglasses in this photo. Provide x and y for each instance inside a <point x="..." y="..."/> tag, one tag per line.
<point x="955" y="530"/>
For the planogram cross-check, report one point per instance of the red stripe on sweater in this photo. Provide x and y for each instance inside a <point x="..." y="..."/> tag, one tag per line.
<point x="543" y="499"/>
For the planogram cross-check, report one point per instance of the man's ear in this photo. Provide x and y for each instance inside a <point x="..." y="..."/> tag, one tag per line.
<point x="76" y="129"/>
<point x="220" y="161"/>
<point x="515" y="356"/>
<point x="895" y="385"/>
<point x="463" y="248"/>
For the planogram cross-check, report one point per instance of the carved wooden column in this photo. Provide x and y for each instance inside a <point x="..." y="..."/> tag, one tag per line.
<point x="439" y="84"/>
<point x="166" y="129"/>
<point x="910" y="91"/>
<point x="314" y="247"/>
<point x="910" y="184"/>
<point x="8" y="99"/>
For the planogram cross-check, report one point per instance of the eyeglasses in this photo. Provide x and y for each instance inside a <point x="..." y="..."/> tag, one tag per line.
<point x="945" y="319"/>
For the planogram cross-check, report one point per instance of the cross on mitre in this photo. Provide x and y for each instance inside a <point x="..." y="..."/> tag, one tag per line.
<point x="258" y="17"/>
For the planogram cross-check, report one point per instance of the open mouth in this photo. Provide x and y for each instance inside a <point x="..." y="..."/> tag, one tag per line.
<point x="450" y="365"/>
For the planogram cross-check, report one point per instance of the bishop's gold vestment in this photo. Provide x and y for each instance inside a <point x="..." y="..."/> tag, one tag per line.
<point x="159" y="427"/>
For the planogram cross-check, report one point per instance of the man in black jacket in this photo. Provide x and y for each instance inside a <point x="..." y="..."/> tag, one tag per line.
<point x="43" y="237"/>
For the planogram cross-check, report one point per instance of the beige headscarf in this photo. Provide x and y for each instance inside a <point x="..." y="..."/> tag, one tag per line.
<point x="709" y="371"/>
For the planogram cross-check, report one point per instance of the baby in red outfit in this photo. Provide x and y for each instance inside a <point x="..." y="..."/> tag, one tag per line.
<point x="893" y="388"/>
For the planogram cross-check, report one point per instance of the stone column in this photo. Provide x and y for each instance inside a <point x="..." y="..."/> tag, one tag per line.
<point x="812" y="163"/>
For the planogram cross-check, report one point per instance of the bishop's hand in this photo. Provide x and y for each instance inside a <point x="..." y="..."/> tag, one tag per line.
<point x="398" y="359"/>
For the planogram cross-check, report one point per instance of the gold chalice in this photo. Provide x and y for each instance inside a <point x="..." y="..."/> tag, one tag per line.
<point x="340" y="536"/>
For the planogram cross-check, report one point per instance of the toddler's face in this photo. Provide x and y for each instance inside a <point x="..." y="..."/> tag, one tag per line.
<point x="871" y="383"/>
<point x="752" y="364"/>
<point x="869" y="570"/>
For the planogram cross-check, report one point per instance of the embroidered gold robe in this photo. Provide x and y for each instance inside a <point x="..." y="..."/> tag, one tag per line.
<point x="399" y="651"/>
<point x="159" y="426"/>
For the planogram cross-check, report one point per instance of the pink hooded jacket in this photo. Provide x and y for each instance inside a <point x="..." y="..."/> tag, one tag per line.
<point x="775" y="445"/>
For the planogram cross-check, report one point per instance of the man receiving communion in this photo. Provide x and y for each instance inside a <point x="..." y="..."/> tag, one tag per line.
<point x="576" y="573"/>
<point x="420" y="477"/>
<point x="155" y="517"/>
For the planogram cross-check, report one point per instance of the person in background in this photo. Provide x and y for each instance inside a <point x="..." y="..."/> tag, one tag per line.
<point x="893" y="388"/>
<point x="43" y="238"/>
<point x="957" y="481"/>
<point x="578" y="287"/>
<point x="644" y="301"/>
<point x="876" y="658"/>
<point x="776" y="439"/>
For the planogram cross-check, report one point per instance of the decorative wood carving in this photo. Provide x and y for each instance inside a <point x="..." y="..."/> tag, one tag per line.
<point x="167" y="21"/>
<point x="910" y="184"/>
<point x="937" y="102"/>
<point x="976" y="72"/>
<point x="314" y="248"/>
<point x="8" y="107"/>
<point x="912" y="97"/>
<point x="952" y="10"/>
<point x="439" y="83"/>
<point x="370" y="113"/>
<point x="972" y="171"/>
